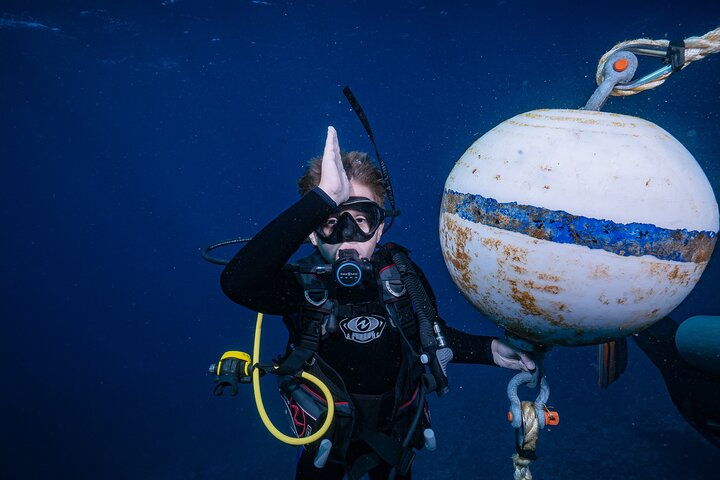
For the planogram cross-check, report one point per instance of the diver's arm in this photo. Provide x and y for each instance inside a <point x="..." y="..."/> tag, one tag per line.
<point x="469" y="348"/>
<point x="255" y="277"/>
<point x="479" y="349"/>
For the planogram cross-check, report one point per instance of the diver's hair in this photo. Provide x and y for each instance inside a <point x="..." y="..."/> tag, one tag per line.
<point x="358" y="166"/>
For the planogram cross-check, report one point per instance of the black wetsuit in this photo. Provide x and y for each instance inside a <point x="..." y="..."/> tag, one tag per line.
<point x="695" y="393"/>
<point x="255" y="278"/>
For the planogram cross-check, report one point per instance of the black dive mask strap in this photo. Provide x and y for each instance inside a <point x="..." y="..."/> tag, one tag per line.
<point x="383" y="169"/>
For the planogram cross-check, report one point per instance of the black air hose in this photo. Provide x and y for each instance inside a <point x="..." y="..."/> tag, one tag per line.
<point x="426" y="317"/>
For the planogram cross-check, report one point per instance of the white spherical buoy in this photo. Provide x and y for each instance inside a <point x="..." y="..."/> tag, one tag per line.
<point x="574" y="227"/>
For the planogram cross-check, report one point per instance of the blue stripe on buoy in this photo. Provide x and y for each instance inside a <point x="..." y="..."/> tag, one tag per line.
<point x="626" y="239"/>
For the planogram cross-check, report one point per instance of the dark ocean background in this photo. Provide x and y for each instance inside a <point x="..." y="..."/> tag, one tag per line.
<point x="134" y="133"/>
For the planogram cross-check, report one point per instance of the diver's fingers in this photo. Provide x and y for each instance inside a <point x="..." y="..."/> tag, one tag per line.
<point x="507" y="363"/>
<point x="523" y="363"/>
<point x="332" y="151"/>
<point x="333" y="179"/>
<point x="331" y="142"/>
<point x="338" y="156"/>
<point x="527" y="362"/>
<point x="335" y="141"/>
<point x="522" y="366"/>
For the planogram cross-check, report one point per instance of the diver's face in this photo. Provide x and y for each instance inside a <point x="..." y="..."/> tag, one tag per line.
<point x="365" y="249"/>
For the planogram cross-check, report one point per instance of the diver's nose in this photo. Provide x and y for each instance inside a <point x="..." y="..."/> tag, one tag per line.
<point x="347" y="224"/>
<point x="347" y="231"/>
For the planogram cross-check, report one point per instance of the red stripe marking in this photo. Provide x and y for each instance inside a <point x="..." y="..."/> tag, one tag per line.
<point x="385" y="268"/>
<point x="310" y="391"/>
<point x="411" y="400"/>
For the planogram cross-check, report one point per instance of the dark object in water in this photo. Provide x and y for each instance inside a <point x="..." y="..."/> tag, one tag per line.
<point x="695" y="393"/>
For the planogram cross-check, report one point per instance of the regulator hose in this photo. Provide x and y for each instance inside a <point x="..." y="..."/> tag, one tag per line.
<point x="435" y="358"/>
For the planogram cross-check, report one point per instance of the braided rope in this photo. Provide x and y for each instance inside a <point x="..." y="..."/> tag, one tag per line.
<point x="696" y="48"/>
<point x="522" y="467"/>
<point x="531" y="429"/>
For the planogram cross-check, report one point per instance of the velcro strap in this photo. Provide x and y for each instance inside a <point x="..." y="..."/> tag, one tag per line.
<point x="294" y="362"/>
<point x="391" y="451"/>
<point x="362" y="465"/>
<point x="310" y="340"/>
<point x="309" y="344"/>
<point x="312" y="330"/>
<point x="408" y="323"/>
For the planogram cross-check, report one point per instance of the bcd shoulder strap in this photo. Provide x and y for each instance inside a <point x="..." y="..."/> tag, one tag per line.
<point x="397" y="301"/>
<point x="317" y="314"/>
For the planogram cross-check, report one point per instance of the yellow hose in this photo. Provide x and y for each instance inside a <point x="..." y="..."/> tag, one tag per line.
<point x="261" y="408"/>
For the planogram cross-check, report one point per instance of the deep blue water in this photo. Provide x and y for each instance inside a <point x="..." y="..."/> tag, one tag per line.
<point x="133" y="133"/>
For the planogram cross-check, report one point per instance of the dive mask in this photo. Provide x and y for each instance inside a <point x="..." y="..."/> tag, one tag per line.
<point x="356" y="220"/>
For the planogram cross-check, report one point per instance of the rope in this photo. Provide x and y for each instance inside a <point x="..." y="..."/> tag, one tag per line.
<point x="696" y="48"/>
<point x="531" y="429"/>
<point x="522" y="467"/>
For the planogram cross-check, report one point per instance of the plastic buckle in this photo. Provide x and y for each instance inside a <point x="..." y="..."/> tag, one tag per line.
<point x="675" y="55"/>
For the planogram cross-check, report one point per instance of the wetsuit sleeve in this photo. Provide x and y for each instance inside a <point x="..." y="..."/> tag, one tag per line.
<point x="255" y="277"/>
<point x="466" y="347"/>
<point x="469" y="348"/>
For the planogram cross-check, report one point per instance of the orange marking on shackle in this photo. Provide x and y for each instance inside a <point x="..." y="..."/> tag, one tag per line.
<point x="551" y="418"/>
<point x="621" y="65"/>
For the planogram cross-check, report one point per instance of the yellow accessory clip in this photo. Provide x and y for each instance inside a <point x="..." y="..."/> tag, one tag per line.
<point x="242" y="356"/>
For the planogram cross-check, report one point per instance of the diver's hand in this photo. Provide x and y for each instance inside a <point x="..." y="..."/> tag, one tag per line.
<point x="333" y="179"/>
<point x="507" y="357"/>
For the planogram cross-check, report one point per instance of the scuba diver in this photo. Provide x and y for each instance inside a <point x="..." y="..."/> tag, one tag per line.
<point x="353" y="321"/>
<point x="687" y="354"/>
<point x="688" y="357"/>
